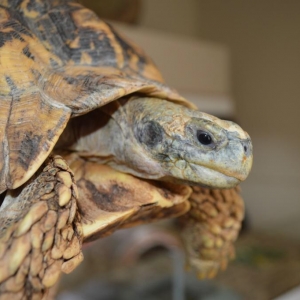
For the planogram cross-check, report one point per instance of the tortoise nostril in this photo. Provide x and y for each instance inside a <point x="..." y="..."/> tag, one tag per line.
<point x="245" y="149"/>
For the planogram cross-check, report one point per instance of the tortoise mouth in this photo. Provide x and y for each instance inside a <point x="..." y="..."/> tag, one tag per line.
<point x="209" y="177"/>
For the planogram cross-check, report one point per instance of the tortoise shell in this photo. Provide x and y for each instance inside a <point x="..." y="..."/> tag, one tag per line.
<point x="59" y="61"/>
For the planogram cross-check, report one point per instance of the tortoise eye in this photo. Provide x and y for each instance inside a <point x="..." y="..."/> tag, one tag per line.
<point x="204" y="138"/>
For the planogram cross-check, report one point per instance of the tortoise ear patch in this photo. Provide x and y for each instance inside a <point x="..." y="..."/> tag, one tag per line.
<point x="149" y="134"/>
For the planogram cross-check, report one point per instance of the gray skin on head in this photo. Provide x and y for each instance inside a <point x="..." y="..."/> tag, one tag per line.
<point x="157" y="139"/>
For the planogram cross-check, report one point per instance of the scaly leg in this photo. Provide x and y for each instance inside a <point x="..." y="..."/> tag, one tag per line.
<point x="210" y="229"/>
<point x="40" y="233"/>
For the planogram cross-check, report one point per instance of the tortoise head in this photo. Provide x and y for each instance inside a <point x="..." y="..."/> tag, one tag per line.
<point x="172" y="142"/>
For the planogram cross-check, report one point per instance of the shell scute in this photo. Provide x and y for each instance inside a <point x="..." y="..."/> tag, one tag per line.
<point x="58" y="60"/>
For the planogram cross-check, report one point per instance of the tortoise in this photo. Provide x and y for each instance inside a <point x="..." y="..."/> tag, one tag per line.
<point x="93" y="140"/>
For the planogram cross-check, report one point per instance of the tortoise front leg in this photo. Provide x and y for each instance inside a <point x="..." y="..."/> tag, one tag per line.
<point x="210" y="229"/>
<point x="40" y="233"/>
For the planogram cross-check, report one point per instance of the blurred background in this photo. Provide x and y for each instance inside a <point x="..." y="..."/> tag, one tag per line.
<point x="238" y="60"/>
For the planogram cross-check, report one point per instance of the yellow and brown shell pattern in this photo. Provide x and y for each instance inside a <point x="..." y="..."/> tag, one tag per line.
<point x="58" y="60"/>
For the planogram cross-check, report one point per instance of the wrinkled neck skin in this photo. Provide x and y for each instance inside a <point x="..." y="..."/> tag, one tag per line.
<point x="157" y="139"/>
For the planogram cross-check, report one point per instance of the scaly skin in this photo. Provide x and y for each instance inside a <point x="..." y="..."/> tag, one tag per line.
<point x="156" y="139"/>
<point x="210" y="229"/>
<point x="41" y="234"/>
<point x="43" y="230"/>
